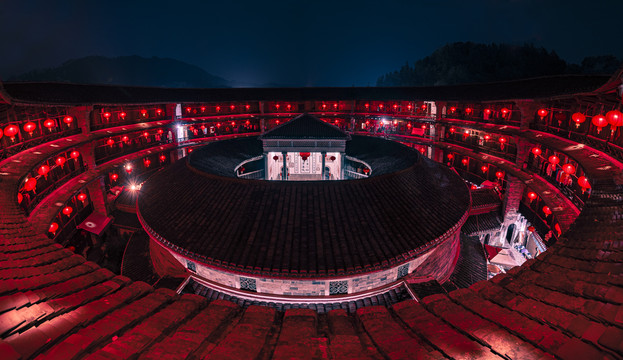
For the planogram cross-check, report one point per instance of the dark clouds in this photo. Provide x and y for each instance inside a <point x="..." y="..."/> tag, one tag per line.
<point x="314" y="43"/>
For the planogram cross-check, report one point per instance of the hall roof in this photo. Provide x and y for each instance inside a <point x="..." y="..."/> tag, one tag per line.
<point x="306" y="126"/>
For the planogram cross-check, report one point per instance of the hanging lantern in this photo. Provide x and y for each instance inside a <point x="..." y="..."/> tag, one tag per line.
<point x="381" y="106"/>
<point x="367" y="106"/>
<point x="60" y="161"/>
<point x="409" y="107"/>
<point x="110" y="142"/>
<point x="106" y="115"/>
<point x="474" y="187"/>
<point x="424" y="107"/>
<point x="487" y="137"/>
<point x="304" y="155"/>
<point x="578" y="118"/>
<point x="124" y="138"/>
<point x="128" y="168"/>
<point x="452" y="130"/>
<point x="82" y="197"/>
<point x="504" y="112"/>
<point x="465" y="134"/>
<point x="74" y="155"/>
<point x="554" y="160"/>
<point x="487" y="112"/>
<point x="468" y="111"/>
<point x="423" y="126"/>
<point x="248" y="122"/>
<point x="11" y="131"/>
<point x="502" y="142"/>
<point x="122" y="115"/>
<point x="465" y="161"/>
<point x="499" y="175"/>
<point x="114" y="177"/>
<point x="146" y="162"/>
<point x="547" y="211"/>
<point x="43" y="170"/>
<point x="158" y="112"/>
<point x="30" y="184"/>
<point x="332" y="158"/>
<point x="144" y="113"/>
<point x="189" y="109"/>
<point x="409" y="125"/>
<point x="247" y="107"/>
<point x="484" y="168"/>
<point x="146" y="134"/>
<point x="218" y="125"/>
<point x="583" y="183"/>
<point x="49" y="124"/>
<point x="568" y="168"/>
<point x="218" y="108"/>
<point x="53" y="228"/>
<point x="30" y="127"/>
<point x="422" y="150"/>
<point x="160" y="131"/>
<point x="599" y="121"/>
<point x="532" y="196"/>
<point x="20" y="198"/>
<point x="536" y="151"/>
<point x="560" y="117"/>
<point x="615" y="119"/>
<point x="68" y="210"/>
<point x="68" y="120"/>
<point x="450" y="157"/>
<point x="531" y="229"/>
<point x="275" y="157"/>
<point x="542" y="113"/>
<point x="452" y="109"/>
<point x="366" y="170"/>
<point x="162" y="158"/>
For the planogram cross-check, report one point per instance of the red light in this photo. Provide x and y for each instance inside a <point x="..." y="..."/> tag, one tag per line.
<point x="367" y="105"/>
<point x="578" y="118"/>
<point x="30" y="184"/>
<point x="395" y="106"/>
<point x="218" y="108"/>
<point x="474" y="187"/>
<point x="381" y="106"/>
<point x="110" y="142"/>
<point x="468" y="111"/>
<point x="599" y="121"/>
<point x="147" y="162"/>
<point x="450" y="156"/>
<point x="74" y="155"/>
<point x="502" y="140"/>
<point x="568" y="168"/>
<point x="424" y="107"/>
<point x="53" y="227"/>
<point x="144" y="113"/>
<point x="277" y="106"/>
<point x="615" y="118"/>
<point x="232" y="107"/>
<point x="68" y="210"/>
<point x="82" y="197"/>
<point x="452" y="109"/>
<point x="547" y="211"/>
<point x="188" y="109"/>
<point x="536" y="151"/>
<point x="106" y="115"/>
<point x="49" y="123"/>
<point x="484" y="168"/>
<point x="324" y="106"/>
<point x="452" y="130"/>
<point x="29" y="127"/>
<point x="532" y="196"/>
<point x="504" y="111"/>
<point x="122" y="115"/>
<point x="68" y="120"/>
<point x="163" y="158"/>
<point x="43" y="170"/>
<point x="499" y="174"/>
<point x="160" y="131"/>
<point x="465" y="161"/>
<point x="60" y="161"/>
<point x="584" y="184"/>
<point x="145" y="134"/>
<point x="487" y="137"/>
<point x="288" y="106"/>
<point x="542" y="113"/>
<point x="233" y="123"/>
<point x="247" y="107"/>
<point x="487" y="112"/>
<point x="409" y="107"/>
<point x="158" y="112"/>
<point x="128" y="168"/>
<point x="423" y="126"/>
<point x="114" y="177"/>
<point x="554" y="160"/>
<point x="11" y="131"/>
<point x="124" y="138"/>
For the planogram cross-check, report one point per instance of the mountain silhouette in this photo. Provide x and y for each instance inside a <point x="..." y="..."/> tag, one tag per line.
<point x="127" y="70"/>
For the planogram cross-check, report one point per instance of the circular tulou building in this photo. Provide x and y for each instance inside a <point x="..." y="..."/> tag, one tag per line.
<point x="470" y="221"/>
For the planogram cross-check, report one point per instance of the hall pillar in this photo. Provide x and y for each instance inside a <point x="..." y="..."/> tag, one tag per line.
<point x="527" y="109"/>
<point x="284" y="173"/>
<point x="323" y="154"/>
<point x="82" y="117"/>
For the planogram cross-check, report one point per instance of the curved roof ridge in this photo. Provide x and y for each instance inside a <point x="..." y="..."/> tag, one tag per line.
<point x="305" y="126"/>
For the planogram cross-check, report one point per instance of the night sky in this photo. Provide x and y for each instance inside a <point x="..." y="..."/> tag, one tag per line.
<point x="296" y="42"/>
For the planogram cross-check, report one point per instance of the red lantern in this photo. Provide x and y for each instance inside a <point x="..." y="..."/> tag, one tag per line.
<point x="502" y="142"/>
<point x="49" y="124"/>
<point x="422" y="150"/>
<point x="43" y="170"/>
<point x="568" y="168"/>
<point x="504" y="112"/>
<point x="532" y="196"/>
<point x="409" y="125"/>
<point x="452" y="130"/>
<point x="110" y="142"/>
<point x="615" y="119"/>
<point x="60" y="161"/>
<point x="82" y="197"/>
<point x="114" y="177"/>
<point x="11" y="131"/>
<point x="547" y="211"/>
<point x="106" y="115"/>
<point x="218" y="108"/>
<point x="20" y="198"/>
<point x="128" y="168"/>
<point x="304" y="155"/>
<point x="584" y="184"/>
<point x="499" y="174"/>
<point x="578" y="118"/>
<point x="30" y="184"/>
<point x="147" y="162"/>
<point x="275" y="157"/>
<point x="144" y="113"/>
<point x="162" y="158"/>
<point x="474" y="187"/>
<point x="536" y="151"/>
<point x="247" y="107"/>
<point x="53" y="228"/>
<point x="531" y="228"/>
<point x="468" y="111"/>
<point x="487" y="112"/>
<point x="465" y="161"/>
<point x="146" y="134"/>
<point x="122" y="115"/>
<point x="367" y="106"/>
<point x="487" y="137"/>
<point x="248" y="122"/>
<point x="484" y="168"/>
<point x="160" y="131"/>
<point x="366" y="171"/>
<point x="74" y="155"/>
<point x="452" y="109"/>
<point x="68" y="120"/>
<point x="332" y="158"/>
<point x="124" y="138"/>
<point x="465" y="133"/>
<point x="381" y="106"/>
<point x="203" y="108"/>
<point x="409" y="107"/>
<point x="424" y="107"/>
<point x="450" y="156"/>
<point x="68" y="210"/>
<point x="599" y="121"/>
<point x="423" y="126"/>
<point x="542" y="113"/>
<point x="30" y="127"/>
<point x="158" y="112"/>
<point x="554" y="160"/>
<point x="278" y="106"/>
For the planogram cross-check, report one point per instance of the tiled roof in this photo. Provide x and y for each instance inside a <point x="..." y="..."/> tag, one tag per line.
<point x="304" y="228"/>
<point x="482" y="222"/>
<point x="63" y="93"/>
<point x="305" y="126"/>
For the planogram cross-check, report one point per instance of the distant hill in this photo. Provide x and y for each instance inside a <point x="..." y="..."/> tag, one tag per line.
<point x="467" y="62"/>
<point x="127" y="70"/>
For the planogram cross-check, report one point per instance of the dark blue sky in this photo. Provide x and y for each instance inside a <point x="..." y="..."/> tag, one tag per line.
<point x="299" y="43"/>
